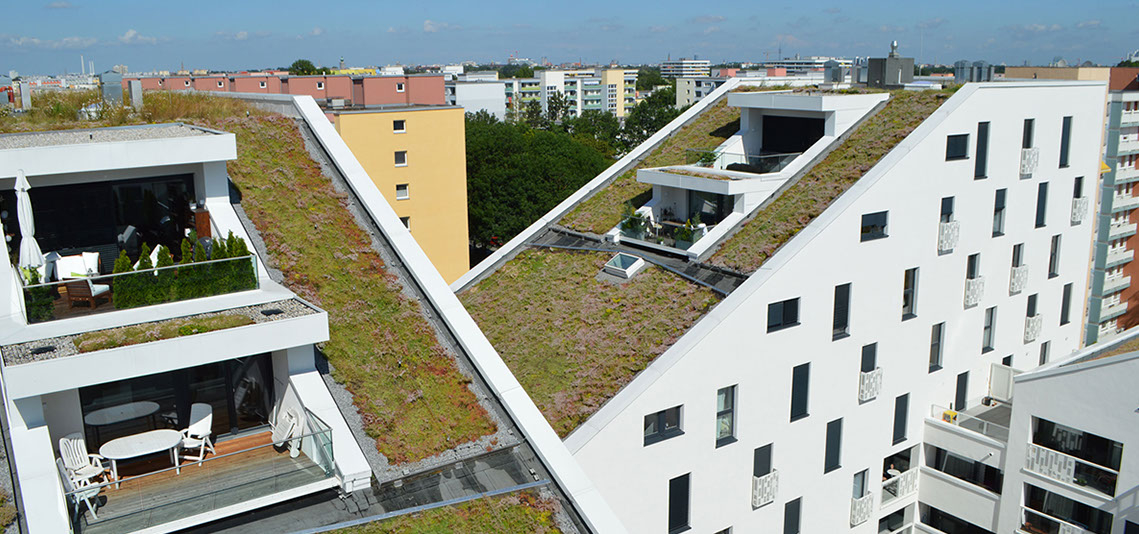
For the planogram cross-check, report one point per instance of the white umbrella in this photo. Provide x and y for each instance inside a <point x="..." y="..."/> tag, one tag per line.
<point x="30" y="254"/>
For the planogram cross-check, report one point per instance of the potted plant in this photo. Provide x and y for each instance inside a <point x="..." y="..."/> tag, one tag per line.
<point x="634" y="224"/>
<point x="707" y="159"/>
<point x="685" y="235"/>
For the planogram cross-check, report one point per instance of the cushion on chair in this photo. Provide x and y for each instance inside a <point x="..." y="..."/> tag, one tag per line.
<point x="98" y="289"/>
<point x="91" y="262"/>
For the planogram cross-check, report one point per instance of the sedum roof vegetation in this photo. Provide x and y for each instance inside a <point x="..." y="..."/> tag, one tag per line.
<point x="795" y="208"/>
<point x="574" y="340"/>
<point x="522" y="512"/>
<point x="414" y="401"/>
<point x="602" y="211"/>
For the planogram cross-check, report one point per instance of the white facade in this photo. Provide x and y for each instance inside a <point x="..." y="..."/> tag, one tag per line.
<point x="43" y="397"/>
<point x="729" y="347"/>
<point x="612" y="90"/>
<point x="679" y="68"/>
<point x="489" y="96"/>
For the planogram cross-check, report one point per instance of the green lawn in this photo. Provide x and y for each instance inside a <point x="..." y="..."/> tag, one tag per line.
<point x="574" y="341"/>
<point x="601" y="212"/>
<point x="793" y="210"/>
<point x="518" y="513"/>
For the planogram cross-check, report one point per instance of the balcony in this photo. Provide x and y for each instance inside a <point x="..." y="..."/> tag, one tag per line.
<point x="861" y="509"/>
<point x="1029" y="160"/>
<point x="1118" y="283"/>
<point x="869" y="385"/>
<point x="1128" y="147"/>
<point x="1118" y="257"/>
<point x="1129" y="118"/>
<point x="681" y="236"/>
<point x="974" y="290"/>
<point x="1111" y="312"/>
<point x="1120" y="231"/>
<point x="764" y="489"/>
<point x="1070" y="470"/>
<point x="739" y="162"/>
<point x="900" y="486"/>
<point x="988" y="421"/>
<point x="244" y="469"/>
<point x="78" y="295"/>
<point x="947" y="235"/>
<point x="1033" y="522"/>
<point x="1124" y="203"/>
<point x="1126" y="175"/>
<point x="1018" y="279"/>
<point x="1032" y="327"/>
<point x="1079" y="209"/>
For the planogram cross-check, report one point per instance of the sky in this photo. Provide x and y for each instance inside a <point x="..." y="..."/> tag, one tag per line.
<point x="48" y="37"/>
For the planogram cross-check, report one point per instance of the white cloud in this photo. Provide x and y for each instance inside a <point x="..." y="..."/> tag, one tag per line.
<point x="60" y="5"/>
<point x="20" y="41"/>
<point x="706" y="19"/>
<point x="660" y="29"/>
<point x="133" y="37"/>
<point x="236" y="36"/>
<point x="431" y="26"/>
<point x="317" y="31"/>
<point x="241" y="36"/>
<point x="1089" y="24"/>
<point x="711" y="30"/>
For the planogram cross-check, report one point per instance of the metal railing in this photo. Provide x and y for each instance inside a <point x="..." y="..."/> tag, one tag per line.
<point x="1033" y="522"/>
<point x="669" y="235"/>
<point x="135" y="289"/>
<point x="164" y="496"/>
<point x="740" y="162"/>
<point x="1063" y="467"/>
<point x="987" y="428"/>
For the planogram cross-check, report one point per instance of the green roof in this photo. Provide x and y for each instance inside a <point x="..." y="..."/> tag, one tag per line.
<point x="517" y="513"/>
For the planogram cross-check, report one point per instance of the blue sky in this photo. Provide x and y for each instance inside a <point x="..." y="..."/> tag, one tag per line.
<point x="48" y="36"/>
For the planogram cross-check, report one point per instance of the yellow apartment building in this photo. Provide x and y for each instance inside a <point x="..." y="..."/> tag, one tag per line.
<point x="416" y="156"/>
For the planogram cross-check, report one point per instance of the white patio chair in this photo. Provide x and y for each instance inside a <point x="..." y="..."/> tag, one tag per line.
<point x="80" y="464"/>
<point x="198" y="435"/>
<point x="78" y="490"/>
<point x="286" y="428"/>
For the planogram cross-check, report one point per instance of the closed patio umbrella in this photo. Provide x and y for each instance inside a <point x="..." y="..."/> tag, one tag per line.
<point x="30" y="254"/>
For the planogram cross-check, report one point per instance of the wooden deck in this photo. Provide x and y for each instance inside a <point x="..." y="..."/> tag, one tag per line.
<point x="146" y="501"/>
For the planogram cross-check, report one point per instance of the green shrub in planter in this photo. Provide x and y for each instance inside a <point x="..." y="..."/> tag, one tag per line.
<point x="38" y="300"/>
<point x="125" y="286"/>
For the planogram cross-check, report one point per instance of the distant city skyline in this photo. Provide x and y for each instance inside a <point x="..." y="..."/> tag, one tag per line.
<point x="51" y="35"/>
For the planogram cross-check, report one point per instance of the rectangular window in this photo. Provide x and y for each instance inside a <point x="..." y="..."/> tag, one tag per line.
<point x="936" y="342"/>
<point x="1018" y="255"/>
<point x="1041" y="204"/>
<point x="1066" y="304"/>
<point x="678" y="504"/>
<point x="1065" y="141"/>
<point x="406" y="222"/>
<point x="858" y="490"/>
<point x="874" y="226"/>
<point x="1026" y="136"/>
<point x="973" y="266"/>
<point x="662" y="425"/>
<point x="1078" y="187"/>
<point x="841" y="322"/>
<point x="1044" y="352"/>
<point x="901" y="413"/>
<point x="761" y="462"/>
<point x="399" y="88"/>
<point x="980" y="169"/>
<point x="220" y="83"/>
<point x="947" y="209"/>
<point x="320" y="86"/>
<point x="261" y="84"/>
<point x="1130" y="528"/>
<point x="1007" y="360"/>
<point x="833" y="457"/>
<point x="869" y="357"/>
<point x="401" y="192"/>
<point x="999" y="213"/>
<point x="800" y="384"/>
<point x="957" y="147"/>
<point x="725" y="416"/>
<point x="1054" y="258"/>
<point x="399" y="126"/>
<point x="962" y="390"/>
<point x="401" y="158"/>
<point x="791" y="512"/>
<point x="1031" y="309"/>
<point x="782" y="315"/>
<point x="910" y="294"/>
<point x="989" y="332"/>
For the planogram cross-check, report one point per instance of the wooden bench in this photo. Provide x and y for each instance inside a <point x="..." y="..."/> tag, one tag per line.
<point x="84" y="291"/>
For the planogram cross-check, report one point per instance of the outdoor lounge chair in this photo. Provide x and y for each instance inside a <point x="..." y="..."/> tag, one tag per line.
<point x="198" y="435"/>
<point x="79" y="464"/>
<point x="78" y="489"/>
<point x="85" y="291"/>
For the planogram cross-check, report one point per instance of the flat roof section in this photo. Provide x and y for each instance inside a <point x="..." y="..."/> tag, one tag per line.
<point x="99" y="135"/>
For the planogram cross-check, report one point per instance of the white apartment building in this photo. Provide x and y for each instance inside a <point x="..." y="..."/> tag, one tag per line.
<point x="121" y="365"/>
<point x="611" y="90"/>
<point x="474" y="96"/>
<point x="681" y="68"/>
<point x="691" y="90"/>
<point x="810" y="63"/>
<point x="809" y="397"/>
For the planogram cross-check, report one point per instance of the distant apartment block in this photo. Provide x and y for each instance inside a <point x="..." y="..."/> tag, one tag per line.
<point x="804" y="64"/>
<point x="690" y="90"/>
<point x="332" y="90"/>
<point x="476" y="93"/>
<point x="678" y="68"/>
<point x="612" y="90"/>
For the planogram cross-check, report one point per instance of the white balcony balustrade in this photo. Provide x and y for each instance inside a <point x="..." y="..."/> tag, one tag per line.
<point x="1032" y="327"/>
<point x="764" y="489"/>
<point x="869" y="384"/>
<point x="900" y="486"/>
<point x="947" y="235"/>
<point x="1035" y="522"/>
<point x="1029" y="160"/>
<point x="1018" y="279"/>
<point x="861" y="509"/>
<point x="974" y="290"/>
<point x="1068" y="469"/>
<point x="1080" y="209"/>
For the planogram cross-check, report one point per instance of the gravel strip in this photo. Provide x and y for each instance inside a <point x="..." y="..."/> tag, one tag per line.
<point x="64" y="346"/>
<point x="98" y="135"/>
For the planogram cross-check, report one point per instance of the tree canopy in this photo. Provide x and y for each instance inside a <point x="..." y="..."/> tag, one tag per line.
<point x="649" y="77"/>
<point x="304" y="67"/>
<point x="655" y="111"/>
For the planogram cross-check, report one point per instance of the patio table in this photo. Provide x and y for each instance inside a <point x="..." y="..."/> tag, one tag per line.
<point x="117" y="414"/>
<point x="141" y="445"/>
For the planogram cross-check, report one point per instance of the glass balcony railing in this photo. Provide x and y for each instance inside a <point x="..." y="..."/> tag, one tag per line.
<point x="961" y="419"/>
<point x="668" y="234"/>
<point x="103" y="293"/>
<point x="733" y="161"/>
<point x="1069" y="469"/>
<point x="154" y="498"/>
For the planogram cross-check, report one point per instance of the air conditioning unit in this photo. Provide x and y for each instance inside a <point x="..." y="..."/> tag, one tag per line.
<point x="338" y="102"/>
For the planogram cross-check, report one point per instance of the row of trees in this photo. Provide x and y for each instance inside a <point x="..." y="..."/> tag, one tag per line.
<point x="192" y="278"/>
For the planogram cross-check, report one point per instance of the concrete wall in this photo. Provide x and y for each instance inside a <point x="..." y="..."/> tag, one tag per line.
<point x="729" y="346"/>
<point x="436" y="175"/>
<point x="482" y="96"/>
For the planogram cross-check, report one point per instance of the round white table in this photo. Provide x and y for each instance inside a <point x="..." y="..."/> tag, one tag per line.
<point x="117" y="414"/>
<point x="141" y="445"/>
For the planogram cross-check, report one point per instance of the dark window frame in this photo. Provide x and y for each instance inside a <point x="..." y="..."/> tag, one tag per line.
<point x="956" y="147"/>
<point x="1027" y="134"/>
<point x="792" y="516"/>
<point x="1042" y="205"/>
<point x="782" y="315"/>
<point x="989" y="331"/>
<point x="936" y="346"/>
<point x="679" y="518"/>
<point x="901" y="417"/>
<point x="730" y="413"/>
<point x="872" y="229"/>
<point x="832" y="454"/>
<point x="1054" y="257"/>
<point x="999" y="205"/>
<point x="910" y="293"/>
<point x="1065" y="141"/>
<point x="800" y="382"/>
<point x="981" y="168"/>
<point x="1066" y="304"/>
<point x="840" y="322"/>
<point x="663" y="431"/>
